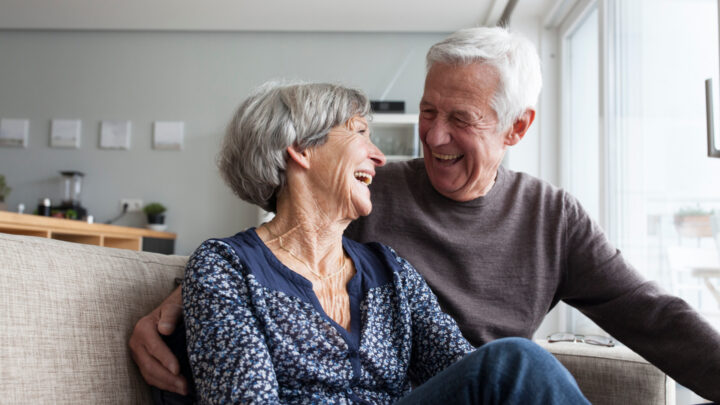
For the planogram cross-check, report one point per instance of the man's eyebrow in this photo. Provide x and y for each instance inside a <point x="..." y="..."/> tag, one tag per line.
<point x="466" y="115"/>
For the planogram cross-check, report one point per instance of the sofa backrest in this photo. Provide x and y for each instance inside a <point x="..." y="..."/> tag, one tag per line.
<point x="66" y="313"/>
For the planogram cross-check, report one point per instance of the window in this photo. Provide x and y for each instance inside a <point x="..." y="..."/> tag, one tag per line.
<point x="634" y="135"/>
<point x="666" y="49"/>
<point x="581" y="141"/>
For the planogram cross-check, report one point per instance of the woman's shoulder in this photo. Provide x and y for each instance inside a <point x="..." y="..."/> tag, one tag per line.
<point x="229" y="244"/>
<point x="376" y="255"/>
<point x="217" y="254"/>
<point x="212" y="256"/>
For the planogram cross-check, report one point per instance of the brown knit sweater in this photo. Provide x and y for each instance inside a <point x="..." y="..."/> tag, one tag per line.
<point x="499" y="263"/>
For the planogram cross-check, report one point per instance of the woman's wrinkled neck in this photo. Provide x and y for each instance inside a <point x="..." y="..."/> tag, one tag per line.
<point x="306" y="226"/>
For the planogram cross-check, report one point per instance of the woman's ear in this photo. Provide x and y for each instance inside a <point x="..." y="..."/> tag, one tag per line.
<point x="299" y="157"/>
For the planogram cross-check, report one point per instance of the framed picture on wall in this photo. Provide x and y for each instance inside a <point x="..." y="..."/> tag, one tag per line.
<point x="14" y="133"/>
<point x="168" y="135"/>
<point x="65" y="133"/>
<point x="115" y="134"/>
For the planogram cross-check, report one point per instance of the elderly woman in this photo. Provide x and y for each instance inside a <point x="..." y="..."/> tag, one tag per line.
<point x="292" y="312"/>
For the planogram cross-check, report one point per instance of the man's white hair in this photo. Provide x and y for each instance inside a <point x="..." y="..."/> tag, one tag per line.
<point x="513" y="56"/>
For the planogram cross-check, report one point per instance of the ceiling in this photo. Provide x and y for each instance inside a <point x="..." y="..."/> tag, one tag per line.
<point x="255" y="15"/>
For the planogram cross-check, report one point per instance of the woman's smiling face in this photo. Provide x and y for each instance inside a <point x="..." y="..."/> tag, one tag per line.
<point x="343" y="168"/>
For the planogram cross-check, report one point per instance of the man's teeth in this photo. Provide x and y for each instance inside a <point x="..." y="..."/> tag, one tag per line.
<point x="445" y="157"/>
<point x="364" y="177"/>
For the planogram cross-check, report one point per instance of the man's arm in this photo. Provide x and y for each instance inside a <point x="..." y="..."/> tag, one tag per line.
<point x="158" y="366"/>
<point x="660" y="327"/>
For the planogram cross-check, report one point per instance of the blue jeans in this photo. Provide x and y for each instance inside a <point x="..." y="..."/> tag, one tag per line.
<point x="505" y="371"/>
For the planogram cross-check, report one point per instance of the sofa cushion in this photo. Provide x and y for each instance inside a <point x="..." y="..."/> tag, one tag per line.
<point x="613" y="375"/>
<point x="67" y="311"/>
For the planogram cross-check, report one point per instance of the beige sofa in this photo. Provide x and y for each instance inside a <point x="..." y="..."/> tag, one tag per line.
<point x="67" y="310"/>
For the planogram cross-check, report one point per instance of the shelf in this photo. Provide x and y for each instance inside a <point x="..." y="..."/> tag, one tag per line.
<point x="27" y="231"/>
<point x="78" y="238"/>
<point x="396" y="135"/>
<point x="134" y="243"/>
<point x="399" y="158"/>
<point x="120" y="237"/>
<point x="394" y="119"/>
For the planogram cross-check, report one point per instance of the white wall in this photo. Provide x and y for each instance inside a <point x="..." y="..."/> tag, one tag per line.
<point x="198" y="78"/>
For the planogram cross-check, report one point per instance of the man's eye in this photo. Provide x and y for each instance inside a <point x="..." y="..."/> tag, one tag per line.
<point x="460" y="123"/>
<point x="427" y="114"/>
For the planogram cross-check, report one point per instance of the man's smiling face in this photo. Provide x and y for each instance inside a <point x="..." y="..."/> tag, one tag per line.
<point x="462" y="143"/>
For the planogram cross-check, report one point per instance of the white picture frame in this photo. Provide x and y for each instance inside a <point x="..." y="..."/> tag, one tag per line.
<point x="115" y="134"/>
<point x="14" y="132"/>
<point x="168" y="135"/>
<point x="65" y="133"/>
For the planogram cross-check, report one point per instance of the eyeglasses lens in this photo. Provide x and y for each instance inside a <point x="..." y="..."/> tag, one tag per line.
<point x="591" y="340"/>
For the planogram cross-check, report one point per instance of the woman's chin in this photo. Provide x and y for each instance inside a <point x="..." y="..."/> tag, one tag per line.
<point x="357" y="210"/>
<point x="363" y="210"/>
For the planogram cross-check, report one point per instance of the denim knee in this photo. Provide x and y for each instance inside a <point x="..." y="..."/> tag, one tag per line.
<point x="516" y="346"/>
<point x="503" y="355"/>
<point x="518" y="357"/>
<point x="519" y="368"/>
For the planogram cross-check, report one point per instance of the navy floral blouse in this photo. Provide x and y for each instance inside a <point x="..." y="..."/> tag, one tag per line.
<point x="258" y="334"/>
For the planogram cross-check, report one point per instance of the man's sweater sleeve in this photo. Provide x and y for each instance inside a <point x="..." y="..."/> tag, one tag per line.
<point x="229" y="358"/>
<point x="660" y="327"/>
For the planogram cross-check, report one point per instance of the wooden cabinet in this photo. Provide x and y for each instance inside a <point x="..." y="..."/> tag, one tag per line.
<point x="120" y="237"/>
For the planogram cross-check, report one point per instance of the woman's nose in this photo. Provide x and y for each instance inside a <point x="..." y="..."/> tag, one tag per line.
<point x="376" y="155"/>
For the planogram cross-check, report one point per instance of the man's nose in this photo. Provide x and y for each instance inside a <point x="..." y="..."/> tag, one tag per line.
<point x="438" y="133"/>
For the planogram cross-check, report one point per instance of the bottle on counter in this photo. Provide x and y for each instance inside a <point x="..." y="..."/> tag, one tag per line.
<point x="44" y="208"/>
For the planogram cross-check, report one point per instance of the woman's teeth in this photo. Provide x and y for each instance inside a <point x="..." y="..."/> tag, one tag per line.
<point x="363" y="177"/>
<point x="445" y="157"/>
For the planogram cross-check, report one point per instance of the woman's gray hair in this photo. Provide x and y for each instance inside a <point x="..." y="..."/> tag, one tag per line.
<point x="253" y="156"/>
<point x="514" y="57"/>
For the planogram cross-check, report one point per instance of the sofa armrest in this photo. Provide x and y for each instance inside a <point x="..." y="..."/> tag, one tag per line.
<point x="613" y="375"/>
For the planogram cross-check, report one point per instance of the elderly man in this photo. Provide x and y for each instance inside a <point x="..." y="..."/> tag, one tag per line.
<point x="499" y="248"/>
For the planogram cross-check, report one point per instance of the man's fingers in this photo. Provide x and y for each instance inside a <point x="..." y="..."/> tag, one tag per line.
<point x="170" y="315"/>
<point x="158" y="376"/>
<point x="157" y="364"/>
<point x="171" y="312"/>
<point x="161" y="352"/>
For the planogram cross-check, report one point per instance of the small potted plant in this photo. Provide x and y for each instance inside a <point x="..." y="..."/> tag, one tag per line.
<point x="693" y="222"/>
<point x="4" y="192"/>
<point x="155" y="216"/>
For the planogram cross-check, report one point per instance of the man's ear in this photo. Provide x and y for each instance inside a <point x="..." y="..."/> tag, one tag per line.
<point x="299" y="157"/>
<point x="520" y="127"/>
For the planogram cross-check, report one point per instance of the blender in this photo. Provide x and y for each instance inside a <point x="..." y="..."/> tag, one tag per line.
<point x="71" y="184"/>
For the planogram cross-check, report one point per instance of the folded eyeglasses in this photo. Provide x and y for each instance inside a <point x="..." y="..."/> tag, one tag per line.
<point x="589" y="339"/>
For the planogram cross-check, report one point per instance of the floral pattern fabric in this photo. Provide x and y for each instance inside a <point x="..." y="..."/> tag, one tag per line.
<point x="257" y="334"/>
